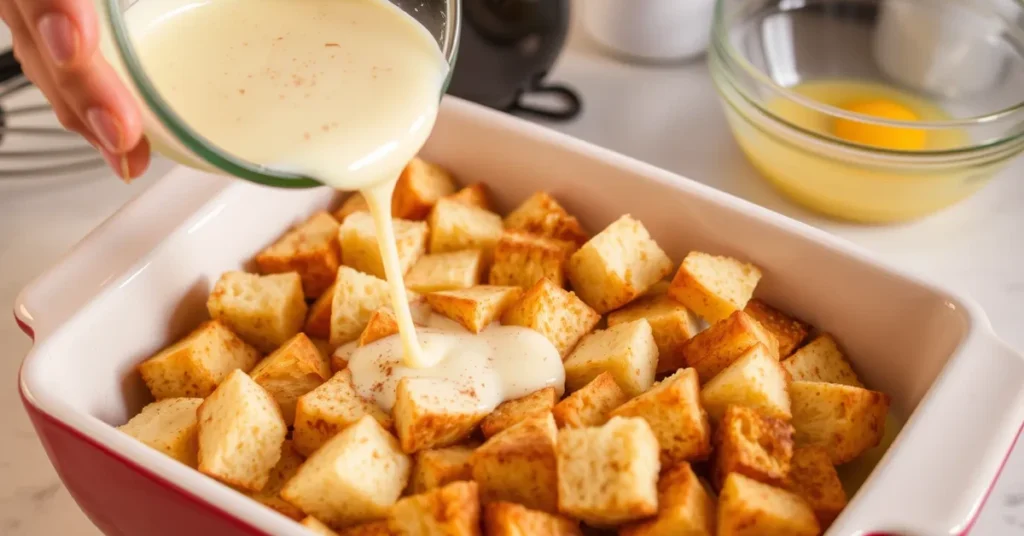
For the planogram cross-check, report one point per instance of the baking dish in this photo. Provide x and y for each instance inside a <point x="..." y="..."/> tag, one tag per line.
<point x="140" y="280"/>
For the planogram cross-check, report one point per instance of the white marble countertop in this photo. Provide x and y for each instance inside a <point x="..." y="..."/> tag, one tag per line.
<point x="665" y="115"/>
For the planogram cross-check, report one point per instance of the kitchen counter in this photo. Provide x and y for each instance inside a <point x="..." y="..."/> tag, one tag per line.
<point x="666" y="115"/>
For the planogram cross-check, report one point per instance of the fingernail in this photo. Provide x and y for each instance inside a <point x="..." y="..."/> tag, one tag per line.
<point x="105" y="127"/>
<point x="59" y="36"/>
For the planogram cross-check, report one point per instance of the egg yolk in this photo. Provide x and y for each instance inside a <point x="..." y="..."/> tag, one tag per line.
<point x="883" y="137"/>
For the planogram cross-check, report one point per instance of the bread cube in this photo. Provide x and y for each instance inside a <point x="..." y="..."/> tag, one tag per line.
<point x="311" y="250"/>
<point x="240" y="433"/>
<point x="373" y="528"/>
<point x="714" y="287"/>
<point x="813" y="477"/>
<point x="754" y="445"/>
<point x="608" y="475"/>
<point x="592" y="405"/>
<point x="475" y="308"/>
<point x="475" y="194"/>
<point x="330" y="408"/>
<point x="553" y="312"/>
<point x="626" y="351"/>
<point x="353" y="478"/>
<point x="511" y="519"/>
<point x="316" y="527"/>
<point x="518" y="465"/>
<point x="788" y="331"/>
<point x="821" y="361"/>
<point x="755" y="380"/>
<point x="318" y="320"/>
<point x="356" y="297"/>
<point x="541" y="215"/>
<point x="617" y="265"/>
<point x="456" y="226"/>
<point x="285" y="469"/>
<point x="447" y="271"/>
<point x="747" y="507"/>
<point x="383" y="323"/>
<point x="294" y="369"/>
<point x="360" y="250"/>
<point x="195" y="365"/>
<point x="521" y="259"/>
<point x="843" y="419"/>
<point x="453" y="510"/>
<point x="419" y="187"/>
<point x="168" y="425"/>
<point x="431" y="413"/>
<point x="536" y="404"/>
<point x="352" y="204"/>
<point x="714" y="349"/>
<point x="265" y="311"/>
<point x="437" y="467"/>
<point x="672" y="323"/>
<point x="672" y="408"/>
<point x="685" y="508"/>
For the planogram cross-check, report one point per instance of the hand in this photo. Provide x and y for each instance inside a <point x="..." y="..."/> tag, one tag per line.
<point x="57" y="44"/>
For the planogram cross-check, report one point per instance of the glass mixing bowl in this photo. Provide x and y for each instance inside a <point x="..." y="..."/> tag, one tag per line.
<point x="964" y="58"/>
<point x="171" y="136"/>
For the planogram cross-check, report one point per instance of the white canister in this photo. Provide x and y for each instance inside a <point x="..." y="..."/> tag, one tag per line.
<point x="652" y="30"/>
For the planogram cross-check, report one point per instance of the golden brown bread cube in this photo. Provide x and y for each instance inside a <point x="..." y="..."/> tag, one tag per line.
<point x="195" y="365"/>
<point x="521" y="259"/>
<point x="754" y="445"/>
<point x="168" y="425"/>
<point x="285" y="469"/>
<point x="713" y="286"/>
<point x="432" y="413"/>
<point x="714" y="349"/>
<point x="474" y="308"/>
<point x="608" y="475"/>
<point x="265" y="311"/>
<point x="475" y="194"/>
<point x="616" y="266"/>
<point x="684" y="507"/>
<point x="626" y="351"/>
<point x="353" y="478"/>
<point x="518" y="465"/>
<point x="453" y="510"/>
<point x="316" y="527"/>
<point x="437" y="467"/>
<point x="553" y="312"/>
<point x="536" y="404"/>
<point x="788" y="331"/>
<point x="813" y="477"/>
<point x="843" y="419"/>
<point x="821" y="361"/>
<point x="455" y="226"/>
<point x="672" y="408"/>
<point x="240" y="433"/>
<point x="330" y="408"/>
<point x="311" y="250"/>
<point x="541" y="215"/>
<point x="356" y="297"/>
<point x="383" y="323"/>
<point x="747" y="507"/>
<point x="591" y="405"/>
<point x="318" y="320"/>
<point x="419" y="187"/>
<point x="447" y="271"/>
<point x="352" y="204"/>
<point x="755" y="380"/>
<point x="294" y="369"/>
<point x="373" y="528"/>
<point x="511" y="519"/>
<point x="360" y="250"/>
<point x="672" y="323"/>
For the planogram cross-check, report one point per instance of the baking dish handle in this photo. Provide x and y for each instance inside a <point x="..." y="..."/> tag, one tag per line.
<point x="956" y="445"/>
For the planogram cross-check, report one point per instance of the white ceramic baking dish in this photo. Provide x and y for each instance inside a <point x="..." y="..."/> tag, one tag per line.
<point x="141" y="280"/>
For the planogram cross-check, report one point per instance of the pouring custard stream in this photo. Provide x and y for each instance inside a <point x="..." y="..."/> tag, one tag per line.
<point x="345" y="91"/>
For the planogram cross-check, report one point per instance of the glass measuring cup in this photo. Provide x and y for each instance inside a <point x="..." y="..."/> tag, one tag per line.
<point x="172" y="137"/>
